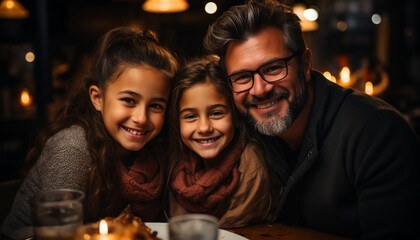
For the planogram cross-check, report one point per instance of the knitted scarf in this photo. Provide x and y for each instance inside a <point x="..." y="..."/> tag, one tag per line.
<point x="198" y="189"/>
<point x="142" y="184"/>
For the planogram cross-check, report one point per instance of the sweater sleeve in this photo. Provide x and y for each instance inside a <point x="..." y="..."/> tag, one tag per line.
<point x="251" y="203"/>
<point x="63" y="163"/>
<point x="387" y="178"/>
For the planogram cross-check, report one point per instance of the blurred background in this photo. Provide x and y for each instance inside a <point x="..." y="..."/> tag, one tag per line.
<point x="369" y="45"/>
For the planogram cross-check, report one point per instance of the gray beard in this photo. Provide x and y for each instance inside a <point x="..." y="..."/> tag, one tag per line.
<point x="274" y="127"/>
<point x="277" y="126"/>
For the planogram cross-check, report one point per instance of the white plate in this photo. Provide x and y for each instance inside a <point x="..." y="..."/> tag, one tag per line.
<point x="162" y="229"/>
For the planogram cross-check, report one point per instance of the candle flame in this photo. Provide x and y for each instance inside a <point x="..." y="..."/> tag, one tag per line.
<point x="25" y="98"/>
<point x="345" y="75"/>
<point x="327" y="75"/>
<point x="330" y="77"/>
<point x="103" y="227"/>
<point x="369" y="88"/>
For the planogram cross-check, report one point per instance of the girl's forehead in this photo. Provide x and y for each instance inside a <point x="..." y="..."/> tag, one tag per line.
<point x="144" y="80"/>
<point x="206" y="91"/>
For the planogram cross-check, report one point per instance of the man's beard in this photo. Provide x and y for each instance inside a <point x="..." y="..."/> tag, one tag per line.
<point x="278" y="125"/>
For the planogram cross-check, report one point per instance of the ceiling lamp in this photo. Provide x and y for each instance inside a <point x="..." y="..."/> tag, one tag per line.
<point x="165" y="6"/>
<point x="12" y="9"/>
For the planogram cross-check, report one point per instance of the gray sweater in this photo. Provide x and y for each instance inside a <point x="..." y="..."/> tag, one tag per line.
<point x="63" y="163"/>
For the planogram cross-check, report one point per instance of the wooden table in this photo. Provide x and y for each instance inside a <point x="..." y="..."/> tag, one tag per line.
<point x="281" y="231"/>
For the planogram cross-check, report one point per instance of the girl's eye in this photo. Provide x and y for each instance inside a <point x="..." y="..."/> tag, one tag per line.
<point x="189" y="116"/>
<point x="157" y="106"/>
<point x="128" y="100"/>
<point x="217" y="114"/>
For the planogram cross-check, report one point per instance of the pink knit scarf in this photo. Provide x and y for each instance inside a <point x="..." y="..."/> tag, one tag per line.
<point x="142" y="184"/>
<point x="198" y="189"/>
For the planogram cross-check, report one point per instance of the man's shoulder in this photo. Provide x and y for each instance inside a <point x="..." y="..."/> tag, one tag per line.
<point x="335" y="101"/>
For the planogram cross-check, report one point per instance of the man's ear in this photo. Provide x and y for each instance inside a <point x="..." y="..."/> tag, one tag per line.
<point x="307" y="64"/>
<point x="96" y="97"/>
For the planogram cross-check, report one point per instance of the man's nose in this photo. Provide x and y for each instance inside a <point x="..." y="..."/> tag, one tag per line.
<point x="260" y="87"/>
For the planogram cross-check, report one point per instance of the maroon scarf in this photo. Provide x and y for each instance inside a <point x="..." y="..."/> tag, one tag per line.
<point x="142" y="184"/>
<point x="198" y="189"/>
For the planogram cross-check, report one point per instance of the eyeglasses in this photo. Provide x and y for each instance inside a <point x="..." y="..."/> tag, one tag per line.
<point x="270" y="72"/>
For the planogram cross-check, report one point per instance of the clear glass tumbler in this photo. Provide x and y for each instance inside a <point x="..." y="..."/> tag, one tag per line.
<point x="193" y="227"/>
<point x="57" y="213"/>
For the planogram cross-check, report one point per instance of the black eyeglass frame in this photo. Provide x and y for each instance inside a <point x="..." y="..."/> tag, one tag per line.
<point x="285" y="60"/>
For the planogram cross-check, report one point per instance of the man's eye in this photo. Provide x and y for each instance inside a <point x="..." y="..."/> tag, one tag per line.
<point x="273" y="69"/>
<point x="241" y="78"/>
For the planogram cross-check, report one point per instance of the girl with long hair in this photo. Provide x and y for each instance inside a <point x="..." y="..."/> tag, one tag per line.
<point x="106" y="139"/>
<point x="217" y="166"/>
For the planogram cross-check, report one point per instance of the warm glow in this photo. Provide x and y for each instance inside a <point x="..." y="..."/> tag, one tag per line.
<point x="330" y="77"/>
<point x="103" y="227"/>
<point x="302" y="12"/>
<point x="165" y="6"/>
<point x="10" y="4"/>
<point x="341" y="26"/>
<point x="310" y="14"/>
<point x="345" y="75"/>
<point x="25" y="98"/>
<point x="12" y="9"/>
<point x="327" y="75"/>
<point x="30" y="57"/>
<point x="369" y="88"/>
<point x="210" y="8"/>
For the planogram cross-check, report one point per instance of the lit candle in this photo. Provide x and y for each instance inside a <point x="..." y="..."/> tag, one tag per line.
<point x="327" y="75"/>
<point x="100" y="231"/>
<point x="345" y="76"/>
<point x="330" y="77"/>
<point x="369" y="88"/>
<point x="103" y="230"/>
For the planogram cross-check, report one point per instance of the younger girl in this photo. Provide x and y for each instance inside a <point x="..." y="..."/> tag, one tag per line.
<point x="104" y="140"/>
<point x="216" y="168"/>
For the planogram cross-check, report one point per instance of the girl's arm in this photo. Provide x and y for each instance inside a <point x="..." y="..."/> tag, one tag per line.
<point x="63" y="163"/>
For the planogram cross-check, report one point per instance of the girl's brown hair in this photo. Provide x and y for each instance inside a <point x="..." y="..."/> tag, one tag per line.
<point x="205" y="69"/>
<point x="119" y="49"/>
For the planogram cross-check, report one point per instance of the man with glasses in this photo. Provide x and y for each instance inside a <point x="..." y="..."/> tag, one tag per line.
<point x="350" y="163"/>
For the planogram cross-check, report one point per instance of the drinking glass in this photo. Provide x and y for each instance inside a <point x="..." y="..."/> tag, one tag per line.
<point x="193" y="227"/>
<point x="57" y="213"/>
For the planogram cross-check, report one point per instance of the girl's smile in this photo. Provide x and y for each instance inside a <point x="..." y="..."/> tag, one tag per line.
<point x="207" y="141"/>
<point x="134" y="132"/>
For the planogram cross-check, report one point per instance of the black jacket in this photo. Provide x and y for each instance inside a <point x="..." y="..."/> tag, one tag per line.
<point x="358" y="169"/>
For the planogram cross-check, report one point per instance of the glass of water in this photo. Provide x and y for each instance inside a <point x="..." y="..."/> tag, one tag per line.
<point x="193" y="227"/>
<point x="57" y="213"/>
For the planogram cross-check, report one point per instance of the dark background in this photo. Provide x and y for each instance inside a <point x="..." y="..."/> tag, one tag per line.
<point x="63" y="33"/>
